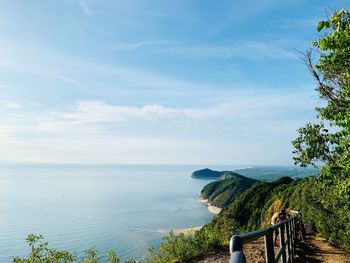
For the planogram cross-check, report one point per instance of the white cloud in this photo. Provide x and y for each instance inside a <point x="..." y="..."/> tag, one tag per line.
<point x="244" y="107"/>
<point x="12" y="104"/>
<point x="99" y="132"/>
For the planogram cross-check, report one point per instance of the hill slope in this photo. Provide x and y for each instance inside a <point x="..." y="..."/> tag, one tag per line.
<point x="223" y="192"/>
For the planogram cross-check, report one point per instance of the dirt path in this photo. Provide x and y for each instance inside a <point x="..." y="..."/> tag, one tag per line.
<point x="253" y="251"/>
<point x="316" y="249"/>
<point x="313" y="250"/>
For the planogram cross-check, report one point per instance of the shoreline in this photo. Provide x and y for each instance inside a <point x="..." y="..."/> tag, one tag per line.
<point x="211" y="208"/>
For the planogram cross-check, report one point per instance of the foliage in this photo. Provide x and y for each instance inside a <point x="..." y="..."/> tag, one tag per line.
<point x="113" y="257"/>
<point x="223" y="192"/>
<point x="181" y="248"/>
<point x="90" y="256"/>
<point x="41" y="253"/>
<point x="244" y="214"/>
<point x="330" y="218"/>
<point x="329" y="140"/>
<point x="332" y="73"/>
<point x="315" y="142"/>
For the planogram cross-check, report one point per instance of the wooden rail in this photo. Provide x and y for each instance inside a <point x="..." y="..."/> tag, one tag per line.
<point x="287" y="242"/>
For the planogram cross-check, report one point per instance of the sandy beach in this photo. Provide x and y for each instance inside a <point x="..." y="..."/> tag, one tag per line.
<point x="214" y="209"/>
<point x="188" y="231"/>
<point x="211" y="208"/>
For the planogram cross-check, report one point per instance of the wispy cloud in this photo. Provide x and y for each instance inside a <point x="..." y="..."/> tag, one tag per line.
<point x="254" y="50"/>
<point x="83" y="73"/>
<point x="140" y="44"/>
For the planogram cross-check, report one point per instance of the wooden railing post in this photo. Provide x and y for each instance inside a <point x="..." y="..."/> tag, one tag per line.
<point x="282" y="243"/>
<point x="292" y="237"/>
<point x="288" y="241"/>
<point x="269" y="250"/>
<point x="295" y="230"/>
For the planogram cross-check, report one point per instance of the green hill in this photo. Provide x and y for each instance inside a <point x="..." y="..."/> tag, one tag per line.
<point x="223" y="192"/>
<point x="248" y="211"/>
<point x="211" y="174"/>
<point x="207" y="173"/>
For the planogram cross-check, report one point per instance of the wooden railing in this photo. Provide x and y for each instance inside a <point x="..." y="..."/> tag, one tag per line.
<point x="287" y="242"/>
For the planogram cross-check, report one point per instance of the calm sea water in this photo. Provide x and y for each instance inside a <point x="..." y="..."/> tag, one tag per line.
<point x="127" y="207"/>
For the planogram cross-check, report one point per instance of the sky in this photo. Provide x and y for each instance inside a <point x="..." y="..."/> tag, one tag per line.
<point x="156" y="82"/>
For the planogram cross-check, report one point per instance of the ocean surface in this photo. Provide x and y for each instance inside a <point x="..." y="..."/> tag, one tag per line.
<point x="128" y="208"/>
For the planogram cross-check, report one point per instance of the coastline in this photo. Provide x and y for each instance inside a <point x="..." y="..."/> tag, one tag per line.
<point x="191" y="230"/>
<point x="211" y="208"/>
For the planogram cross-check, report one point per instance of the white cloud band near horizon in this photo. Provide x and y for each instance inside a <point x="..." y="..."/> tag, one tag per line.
<point x="85" y="112"/>
<point x="98" y="132"/>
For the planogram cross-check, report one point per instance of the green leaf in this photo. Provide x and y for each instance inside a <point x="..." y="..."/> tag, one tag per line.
<point x="321" y="25"/>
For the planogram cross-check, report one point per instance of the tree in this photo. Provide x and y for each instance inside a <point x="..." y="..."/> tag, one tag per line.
<point x="90" y="256"/>
<point x="332" y="73"/>
<point x="113" y="257"/>
<point x="41" y="253"/>
<point x="329" y="140"/>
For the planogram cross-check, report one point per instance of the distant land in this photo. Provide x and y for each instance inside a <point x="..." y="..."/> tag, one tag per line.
<point x="262" y="173"/>
<point x="272" y="173"/>
<point x="211" y="174"/>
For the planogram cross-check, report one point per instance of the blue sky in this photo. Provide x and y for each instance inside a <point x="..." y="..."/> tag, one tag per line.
<point x="126" y="81"/>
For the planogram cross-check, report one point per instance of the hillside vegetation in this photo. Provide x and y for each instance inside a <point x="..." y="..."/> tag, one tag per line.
<point x="223" y="192"/>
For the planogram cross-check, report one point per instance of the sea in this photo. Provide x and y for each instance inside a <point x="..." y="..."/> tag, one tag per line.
<point x="127" y="208"/>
